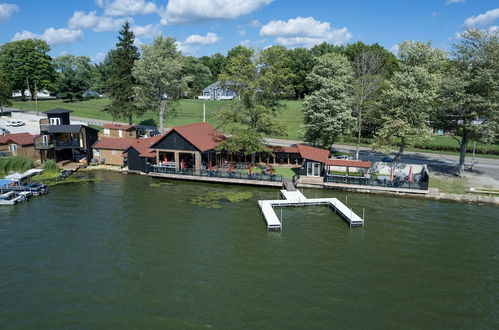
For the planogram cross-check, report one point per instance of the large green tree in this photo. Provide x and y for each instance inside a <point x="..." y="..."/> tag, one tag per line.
<point x="260" y="81"/>
<point x="74" y="76"/>
<point x="327" y="110"/>
<point x="160" y="79"/>
<point x="120" y="81"/>
<point x="5" y="91"/>
<point x="301" y="64"/>
<point x="469" y="106"/>
<point x="27" y="65"/>
<point x="200" y="75"/>
<point x="215" y="63"/>
<point x="410" y="97"/>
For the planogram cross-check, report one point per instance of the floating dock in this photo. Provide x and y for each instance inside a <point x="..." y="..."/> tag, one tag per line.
<point x="296" y="198"/>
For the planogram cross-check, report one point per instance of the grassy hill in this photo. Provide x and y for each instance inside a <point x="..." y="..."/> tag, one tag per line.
<point x="190" y="111"/>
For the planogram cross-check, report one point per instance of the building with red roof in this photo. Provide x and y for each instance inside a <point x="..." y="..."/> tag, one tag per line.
<point x="18" y="144"/>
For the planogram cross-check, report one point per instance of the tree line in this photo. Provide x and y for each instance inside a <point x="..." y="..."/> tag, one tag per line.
<point x="358" y="89"/>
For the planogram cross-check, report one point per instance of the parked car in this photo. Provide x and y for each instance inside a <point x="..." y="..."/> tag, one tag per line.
<point x="4" y="131"/>
<point x="345" y="157"/>
<point x="14" y="123"/>
<point x="387" y="160"/>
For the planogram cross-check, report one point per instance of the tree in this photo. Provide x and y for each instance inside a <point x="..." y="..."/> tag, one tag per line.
<point x="410" y="97"/>
<point x="327" y="111"/>
<point x="469" y="106"/>
<point x="75" y="76"/>
<point x="200" y="74"/>
<point x="215" y="63"/>
<point x="120" y="82"/>
<point x="275" y="75"/>
<point x="5" y="91"/>
<point x="27" y="65"/>
<point x="259" y="83"/>
<point x="369" y="72"/>
<point x="325" y="48"/>
<point x="159" y="75"/>
<point x="389" y="61"/>
<point x="301" y="64"/>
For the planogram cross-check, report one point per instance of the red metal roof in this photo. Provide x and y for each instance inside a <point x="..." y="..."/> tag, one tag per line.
<point x="18" y="138"/>
<point x="311" y="153"/>
<point x="348" y="163"/>
<point x="118" y="126"/>
<point x="201" y="135"/>
<point x="143" y="146"/>
<point x="113" y="143"/>
<point x="290" y="150"/>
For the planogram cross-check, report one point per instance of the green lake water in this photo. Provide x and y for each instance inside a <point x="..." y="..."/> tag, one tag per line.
<point x="121" y="253"/>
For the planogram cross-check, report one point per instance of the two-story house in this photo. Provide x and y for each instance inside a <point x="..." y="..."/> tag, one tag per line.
<point x="59" y="140"/>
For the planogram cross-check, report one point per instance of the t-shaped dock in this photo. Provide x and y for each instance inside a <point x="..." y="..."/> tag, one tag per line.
<point x="296" y="198"/>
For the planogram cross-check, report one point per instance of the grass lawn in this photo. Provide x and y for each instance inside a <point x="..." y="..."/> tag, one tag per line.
<point x="449" y="185"/>
<point x="286" y="172"/>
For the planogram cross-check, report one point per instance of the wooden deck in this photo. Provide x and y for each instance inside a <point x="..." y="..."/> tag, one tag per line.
<point x="296" y="198"/>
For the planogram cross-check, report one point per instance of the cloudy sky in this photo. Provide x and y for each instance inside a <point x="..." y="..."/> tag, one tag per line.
<point x="204" y="27"/>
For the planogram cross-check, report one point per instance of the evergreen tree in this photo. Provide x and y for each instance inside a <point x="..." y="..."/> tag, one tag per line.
<point x="327" y="111"/>
<point x="120" y="81"/>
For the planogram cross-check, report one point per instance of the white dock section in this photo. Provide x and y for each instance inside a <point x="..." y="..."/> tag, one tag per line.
<point x="296" y="198"/>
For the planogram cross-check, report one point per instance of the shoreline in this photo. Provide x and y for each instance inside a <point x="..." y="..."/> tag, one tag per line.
<point x="432" y="194"/>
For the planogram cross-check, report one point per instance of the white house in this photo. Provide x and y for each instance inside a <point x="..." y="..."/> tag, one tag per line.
<point x="220" y="91"/>
<point x="27" y="93"/>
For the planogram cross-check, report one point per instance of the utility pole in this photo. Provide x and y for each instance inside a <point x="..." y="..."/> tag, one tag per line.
<point x="36" y="99"/>
<point x="204" y="112"/>
<point x="473" y="158"/>
<point x="29" y="91"/>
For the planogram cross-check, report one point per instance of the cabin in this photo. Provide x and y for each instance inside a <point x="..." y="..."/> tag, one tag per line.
<point x="109" y="150"/>
<point x="118" y="131"/>
<point x="313" y="160"/>
<point x="220" y="90"/>
<point x="61" y="141"/>
<point x="189" y="146"/>
<point x="139" y="155"/>
<point x="18" y="144"/>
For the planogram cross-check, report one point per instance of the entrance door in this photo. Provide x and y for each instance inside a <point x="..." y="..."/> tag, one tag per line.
<point x="313" y="169"/>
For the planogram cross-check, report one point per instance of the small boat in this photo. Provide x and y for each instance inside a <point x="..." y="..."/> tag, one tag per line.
<point x="11" y="198"/>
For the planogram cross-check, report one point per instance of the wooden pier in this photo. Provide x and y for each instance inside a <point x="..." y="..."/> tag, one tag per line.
<point x="296" y="198"/>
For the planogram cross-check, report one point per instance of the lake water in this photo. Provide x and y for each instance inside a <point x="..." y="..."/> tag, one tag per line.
<point x="121" y="253"/>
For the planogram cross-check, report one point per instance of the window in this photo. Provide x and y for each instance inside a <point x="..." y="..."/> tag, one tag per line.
<point x="106" y="131"/>
<point x="120" y="133"/>
<point x="130" y="133"/>
<point x="55" y="121"/>
<point x="13" y="148"/>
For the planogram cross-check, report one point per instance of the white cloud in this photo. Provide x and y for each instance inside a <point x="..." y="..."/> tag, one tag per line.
<point x="190" y="11"/>
<point x="6" y="11"/>
<point x="483" y="19"/>
<point x="127" y="7"/>
<point x="99" y="57"/>
<point x="145" y="31"/>
<point x="255" y="23"/>
<point x="449" y="2"/>
<point x="80" y="20"/>
<point x="196" y="39"/>
<point x="245" y="43"/>
<point x="395" y="49"/>
<point x="51" y="36"/>
<point x="241" y="32"/>
<point x="187" y="49"/>
<point x="304" y="31"/>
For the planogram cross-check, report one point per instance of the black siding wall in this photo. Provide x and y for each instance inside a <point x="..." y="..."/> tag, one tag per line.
<point x="135" y="162"/>
<point x="174" y="141"/>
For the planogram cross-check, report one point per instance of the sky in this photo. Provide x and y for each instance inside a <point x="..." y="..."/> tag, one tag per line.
<point x="205" y="27"/>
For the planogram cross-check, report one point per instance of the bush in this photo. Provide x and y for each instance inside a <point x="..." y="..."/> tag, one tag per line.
<point x="50" y="166"/>
<point x="16" y="164"/>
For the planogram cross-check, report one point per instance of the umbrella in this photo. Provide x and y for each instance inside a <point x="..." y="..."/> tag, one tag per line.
<point x="182" y="165"/>
<point x="391" y="174"/>
<point x="166" y="160"/>
<point x="209" y="168"/>
<point x="249" y="169"/>
<point x="230" y="166"/>
<point x="271" y="170"/>
<point x="410" y="174"/>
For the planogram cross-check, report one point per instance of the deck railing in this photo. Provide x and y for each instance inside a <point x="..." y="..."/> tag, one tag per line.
<point x="42" y="145"/>
<point x="70" y="143"/>
<point x="359" y="180"/>
<point x="236" y="175"/>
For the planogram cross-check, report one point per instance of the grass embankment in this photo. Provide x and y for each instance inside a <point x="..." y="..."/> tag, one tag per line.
<point x="15" y="164"/>
<point x="286" y="172"/>
<point x="450" y="185"/>
<point x="191" y="111"/>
